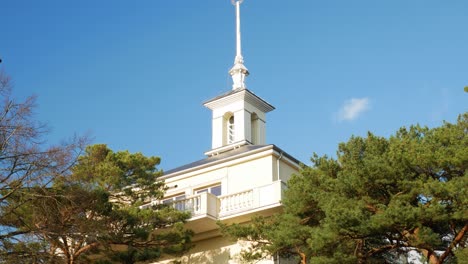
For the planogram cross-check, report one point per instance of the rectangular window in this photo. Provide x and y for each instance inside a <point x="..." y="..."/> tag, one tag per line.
<point x="173" y="200"/>
<point x="167" y="201"/>
<point x="215" y="190"/>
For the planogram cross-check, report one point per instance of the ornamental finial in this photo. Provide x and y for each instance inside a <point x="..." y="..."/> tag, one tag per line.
<point x="238" y="71"/>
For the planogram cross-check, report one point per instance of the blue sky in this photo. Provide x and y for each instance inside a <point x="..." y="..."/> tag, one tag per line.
<point x="134" y="74"/>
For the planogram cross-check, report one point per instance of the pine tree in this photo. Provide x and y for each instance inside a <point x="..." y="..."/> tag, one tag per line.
<point x="377" y="201"/>
<point x="95" y="213"/>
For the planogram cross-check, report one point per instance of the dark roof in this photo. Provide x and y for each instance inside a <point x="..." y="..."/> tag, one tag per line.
<point x="227" y="154"/>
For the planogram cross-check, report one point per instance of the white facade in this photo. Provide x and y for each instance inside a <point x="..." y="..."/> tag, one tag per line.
<point x="252" y="179"/>
<point x="241" y="176"/>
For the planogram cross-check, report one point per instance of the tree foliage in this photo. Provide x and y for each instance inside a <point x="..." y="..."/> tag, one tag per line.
<point x="26" y="161"/>
<point x="95" y="214"/>
<point x="377" y="201"/>
<point x="60" y="205"/>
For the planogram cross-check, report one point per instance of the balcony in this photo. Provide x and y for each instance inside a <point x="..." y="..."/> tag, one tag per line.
<point x="206" y="208"/>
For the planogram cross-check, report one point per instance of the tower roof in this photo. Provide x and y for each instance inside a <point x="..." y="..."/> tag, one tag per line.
<point x="239" y="94"/>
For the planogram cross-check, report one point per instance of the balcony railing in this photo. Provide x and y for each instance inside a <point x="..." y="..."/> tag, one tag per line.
<point x="225" y="205"/>
<point x="199" y="204"/>
<point x="236" y="202"/>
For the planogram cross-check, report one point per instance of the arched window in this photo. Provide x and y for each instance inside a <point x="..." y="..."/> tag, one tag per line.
<point x="254" y="128"/>
<point x="230" y="130"/>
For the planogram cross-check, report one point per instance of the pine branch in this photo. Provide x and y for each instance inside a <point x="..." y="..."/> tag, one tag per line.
<point x="455" y="242"/>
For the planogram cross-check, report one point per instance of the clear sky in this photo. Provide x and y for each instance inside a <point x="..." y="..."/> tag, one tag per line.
<point x="134" y="74"/>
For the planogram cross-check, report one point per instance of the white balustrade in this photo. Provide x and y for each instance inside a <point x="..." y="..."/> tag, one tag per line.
<point x="209" y="204"/>
<point x="192" y="204"/>
<point x="236" y="202"/>
<point x="250" y="199"/>
<point x="202" y="203"/>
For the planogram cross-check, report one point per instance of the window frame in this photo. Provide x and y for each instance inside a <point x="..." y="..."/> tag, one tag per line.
<point x="209" y="189"/>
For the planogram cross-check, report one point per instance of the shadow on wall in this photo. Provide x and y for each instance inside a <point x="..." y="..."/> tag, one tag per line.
<point x="215" y="256"/>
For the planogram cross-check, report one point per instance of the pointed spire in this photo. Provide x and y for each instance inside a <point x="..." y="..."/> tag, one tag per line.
<point x="238" y="72"/>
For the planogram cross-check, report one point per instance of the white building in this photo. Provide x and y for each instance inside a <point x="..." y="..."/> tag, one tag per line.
<point x="241" y="176"/>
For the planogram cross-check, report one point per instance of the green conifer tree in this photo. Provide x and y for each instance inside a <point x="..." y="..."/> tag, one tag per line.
<point x="95" y="213"/>
<point x="377" y="201"/>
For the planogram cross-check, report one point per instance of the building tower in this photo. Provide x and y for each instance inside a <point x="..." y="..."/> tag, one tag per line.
<point x="238" y="116"/>
<point x="241" y="177"/>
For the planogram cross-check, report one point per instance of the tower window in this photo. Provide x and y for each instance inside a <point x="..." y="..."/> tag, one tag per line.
<point x="230" y="130"/>
<point x="254" y="128"/>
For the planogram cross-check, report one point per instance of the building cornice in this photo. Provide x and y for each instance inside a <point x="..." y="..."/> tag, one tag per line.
<point x="217" y="162"/>
<point x="239" y="95"/>
<point x="241" y="157"/>
<point x="226" y="148"/>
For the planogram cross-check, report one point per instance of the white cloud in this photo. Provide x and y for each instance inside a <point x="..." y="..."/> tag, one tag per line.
<point x="353" y="108"/>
